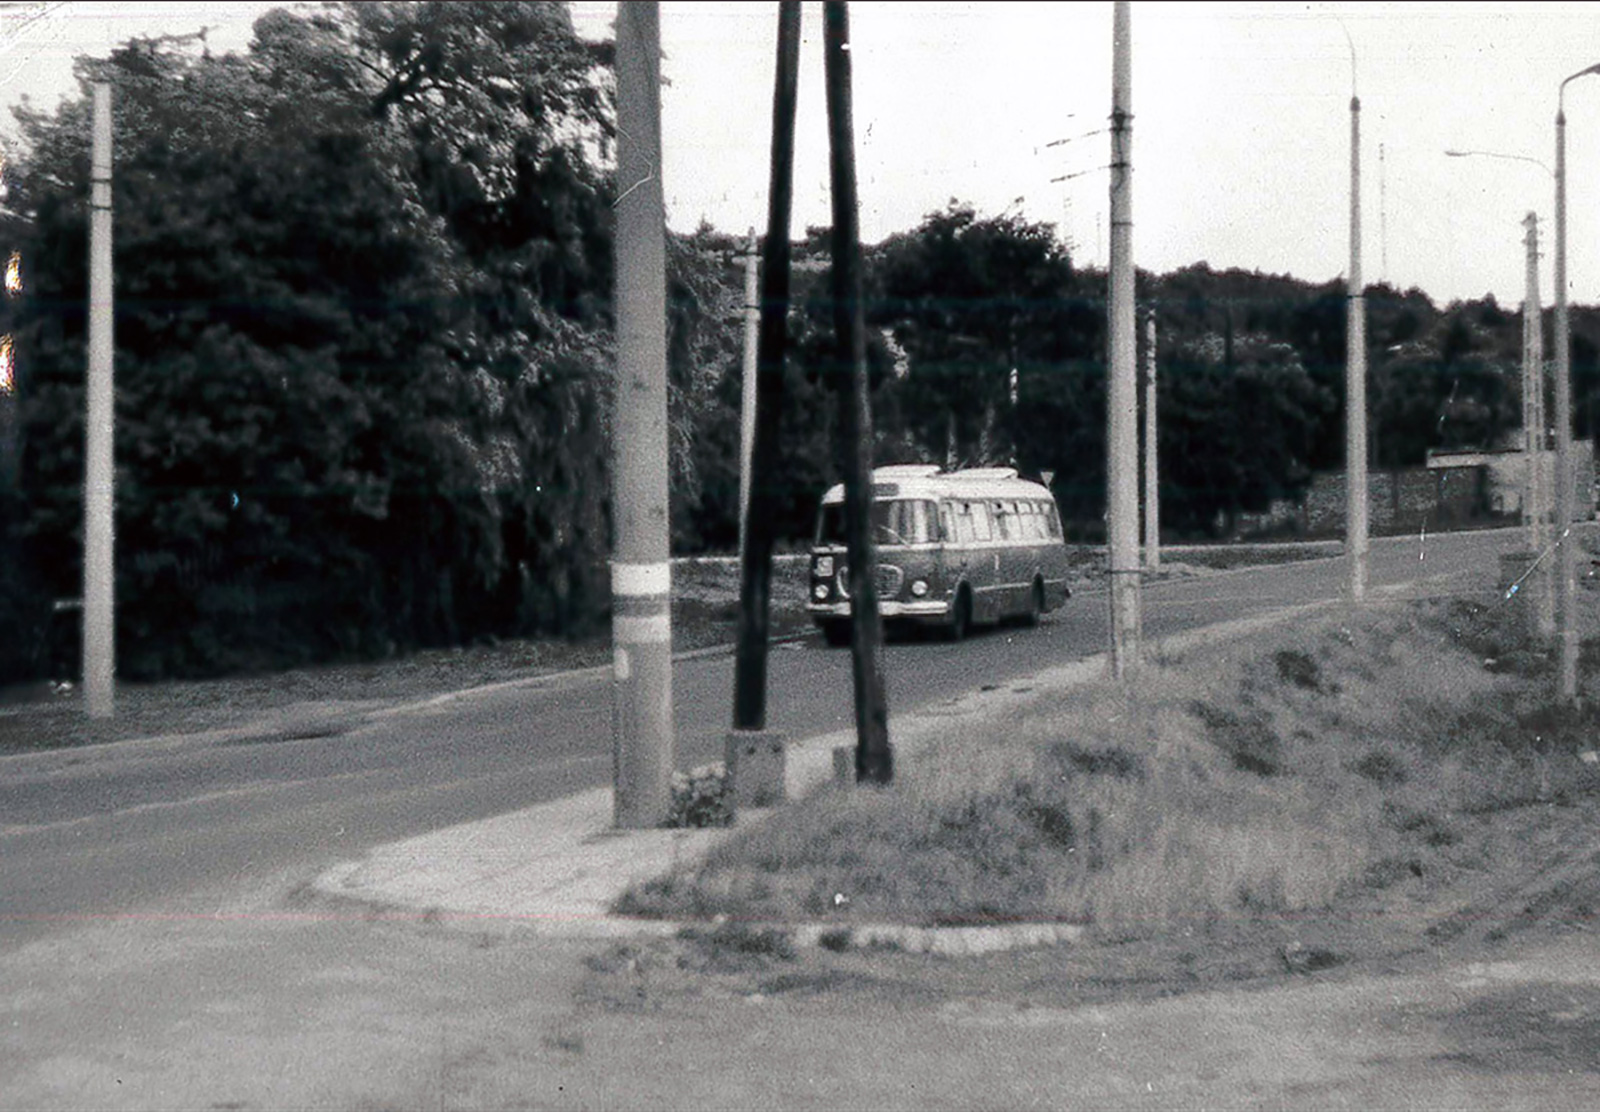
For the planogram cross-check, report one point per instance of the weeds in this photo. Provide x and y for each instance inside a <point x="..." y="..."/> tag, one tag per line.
<point x="700" y="798"/>
<point x="1266" y="779"/>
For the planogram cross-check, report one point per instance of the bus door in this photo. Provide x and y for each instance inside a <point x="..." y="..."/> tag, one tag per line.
<point x="978" y="555"/>
<point x="1014" y="572"/>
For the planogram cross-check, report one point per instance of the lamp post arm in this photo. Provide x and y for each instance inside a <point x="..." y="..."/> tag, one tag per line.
<point x="1561" y="94"/>
<point x="1502" y="155"/>
<point x="1563" y="413"/>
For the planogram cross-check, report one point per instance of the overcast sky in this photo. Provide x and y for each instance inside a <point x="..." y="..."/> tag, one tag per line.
<point x="1240" y="138"/>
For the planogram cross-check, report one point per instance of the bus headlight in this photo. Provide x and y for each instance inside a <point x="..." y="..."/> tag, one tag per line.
<point x="820" y="592"/>
<point x="824" y="567"/>
<point x="919" y="588"/>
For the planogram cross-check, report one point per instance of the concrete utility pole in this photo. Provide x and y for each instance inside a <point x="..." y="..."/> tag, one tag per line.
<point x="99" y="473"/>
<point x="747" y="406"/>
<point x="641" y="575"/>
<point x="754" y="755"/>
<point x="1533" y="380"/>
<point x="1563" y="414"/>
<point x="1122" y="417"/>
<point x="1355" y="444"/>
<point x="1152" y="486"/>
<point x="874" y="758"/>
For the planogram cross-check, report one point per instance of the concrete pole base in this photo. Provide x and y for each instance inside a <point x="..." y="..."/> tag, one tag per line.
<point x="756" y="761"/>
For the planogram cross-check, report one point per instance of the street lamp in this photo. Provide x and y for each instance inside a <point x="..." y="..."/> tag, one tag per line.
<point x="1535" y="499"/>
<point x="1355" y="344"/>
<point x="1564" y="492"/>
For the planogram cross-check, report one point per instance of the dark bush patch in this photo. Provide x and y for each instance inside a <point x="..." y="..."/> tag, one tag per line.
<point x="1309" y="959"/>
<point x="1299" y="669"/>
<point x="1389" y="871"/>
<point x="812" y="984"/>
<point x="1432" y="829"/>
<point x="737" y="938"/>
<point x="1381" y="768"/>
<point x="836" y="940"/>
<point x="983" y="915"/>
<point x="1052" y="821"/>
<point x="1559" y="726"/>
<point x="1104" y="760"/>
<point x="1248" y="740"/>
<point x="700" y="798"/>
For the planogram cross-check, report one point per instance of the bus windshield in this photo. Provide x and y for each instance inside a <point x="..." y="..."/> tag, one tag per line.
<point x="894" y="521"/>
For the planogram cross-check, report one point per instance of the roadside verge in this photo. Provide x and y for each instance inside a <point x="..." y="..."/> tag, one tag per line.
<point x="559" y="868"/>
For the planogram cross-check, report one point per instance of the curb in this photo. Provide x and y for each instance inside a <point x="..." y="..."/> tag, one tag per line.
<point x="564" y="878"/>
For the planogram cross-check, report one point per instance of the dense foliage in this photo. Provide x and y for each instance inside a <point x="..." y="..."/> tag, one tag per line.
<point x="362" y="335"/>
<point x="364" y="351"/>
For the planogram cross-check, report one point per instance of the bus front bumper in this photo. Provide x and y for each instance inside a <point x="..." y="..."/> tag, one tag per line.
<point x="925" y="610"/>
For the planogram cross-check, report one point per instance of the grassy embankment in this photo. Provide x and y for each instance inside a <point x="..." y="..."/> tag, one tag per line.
<point x="1275" y="775"/>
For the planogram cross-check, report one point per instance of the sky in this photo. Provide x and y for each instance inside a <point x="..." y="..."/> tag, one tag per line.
<point x="1241" y="131"/>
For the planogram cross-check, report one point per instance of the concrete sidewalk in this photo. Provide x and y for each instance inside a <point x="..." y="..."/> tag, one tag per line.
<point x="559" y="867"/>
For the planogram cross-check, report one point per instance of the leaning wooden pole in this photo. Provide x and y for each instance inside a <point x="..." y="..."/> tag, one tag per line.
<point x="874" y="759"/>
<point x="754" y="755"/>
<point x="750" y="672"/>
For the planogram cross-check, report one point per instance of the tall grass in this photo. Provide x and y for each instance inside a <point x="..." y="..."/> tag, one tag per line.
<point x="1271" y="776"/>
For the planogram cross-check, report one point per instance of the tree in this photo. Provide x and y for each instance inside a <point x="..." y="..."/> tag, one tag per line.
<point x="1237" y="427"/>
<point x="970" y="300"/>
<point x="293" y="465"/>
<point x="363" y="350"/>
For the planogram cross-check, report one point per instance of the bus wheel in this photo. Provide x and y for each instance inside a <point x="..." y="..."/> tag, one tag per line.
<point x="960" y="616"/>
<point x="1030" y="617"/>
<point x="836" y="634"/>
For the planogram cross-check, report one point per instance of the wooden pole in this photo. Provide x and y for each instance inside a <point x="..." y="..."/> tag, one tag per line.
<point x="874" y="758"/>
<point x="750" y="668"/>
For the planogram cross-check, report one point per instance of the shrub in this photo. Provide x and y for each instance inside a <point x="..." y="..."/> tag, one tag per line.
<point x="700" y="798"/>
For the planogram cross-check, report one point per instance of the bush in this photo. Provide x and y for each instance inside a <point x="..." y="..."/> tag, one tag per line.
<point x="700" y="798"/>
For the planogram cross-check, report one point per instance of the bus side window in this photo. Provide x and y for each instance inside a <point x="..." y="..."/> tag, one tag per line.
<point x="947" y="532"/>
<point x="981" y="528"/>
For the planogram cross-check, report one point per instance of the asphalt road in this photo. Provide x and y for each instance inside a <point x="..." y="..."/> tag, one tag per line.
<point x="164" y="830"/>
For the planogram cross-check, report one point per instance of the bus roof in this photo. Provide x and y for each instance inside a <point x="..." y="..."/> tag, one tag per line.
<point x="927" y="480"/>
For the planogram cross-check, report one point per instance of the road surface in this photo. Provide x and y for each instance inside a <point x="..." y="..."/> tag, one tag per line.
<point x="140" y="829"/>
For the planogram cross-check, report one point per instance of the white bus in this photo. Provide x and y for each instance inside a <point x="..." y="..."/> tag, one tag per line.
<point x="955" y="549"/>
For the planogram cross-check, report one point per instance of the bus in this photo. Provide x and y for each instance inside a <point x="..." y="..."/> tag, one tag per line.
<point x="955" y="549"/>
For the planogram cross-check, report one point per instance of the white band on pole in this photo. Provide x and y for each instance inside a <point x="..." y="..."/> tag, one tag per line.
<point x="641" y="580"/>
<point x="654" y="629"/>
